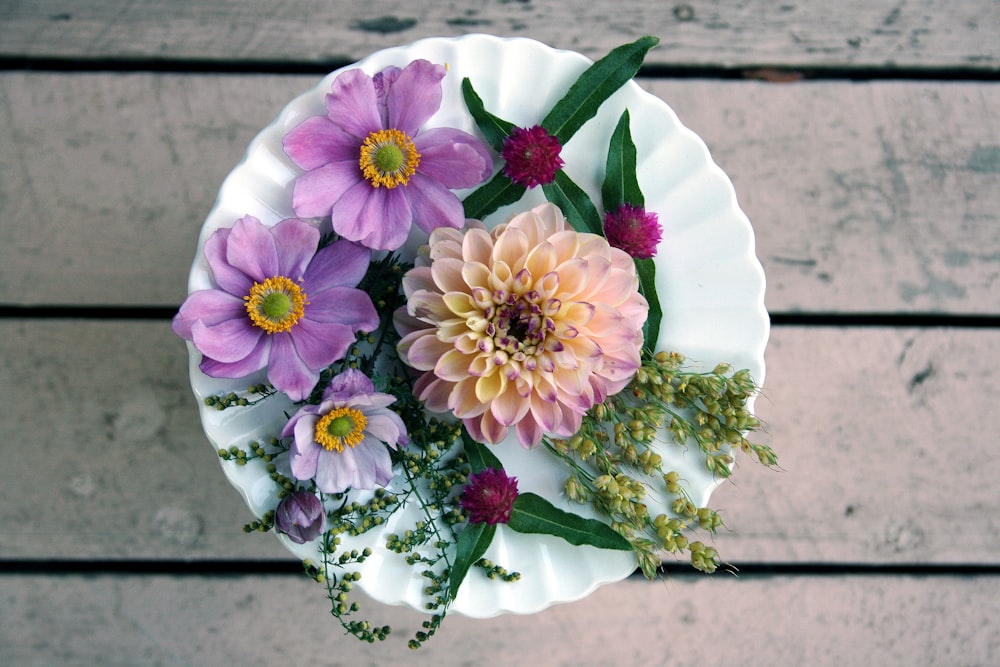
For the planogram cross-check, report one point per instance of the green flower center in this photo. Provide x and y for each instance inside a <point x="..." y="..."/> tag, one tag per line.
<point x="276" y="304"/>
<point x="388" y="158"/>
<point x="339" y="428"/>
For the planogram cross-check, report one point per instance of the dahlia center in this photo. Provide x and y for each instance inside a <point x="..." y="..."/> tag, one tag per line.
<point x="388" y="158"/>
<point x="520" y="324"/>
<point x="340" y="427"/>
<point x="276" y="304"/>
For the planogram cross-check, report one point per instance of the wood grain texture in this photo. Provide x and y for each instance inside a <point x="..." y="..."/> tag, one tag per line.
<point x="719" y="620"/>
<point x="787" y="33"/>
<point x="878" y="197"/>
<point x="881" y="432"/>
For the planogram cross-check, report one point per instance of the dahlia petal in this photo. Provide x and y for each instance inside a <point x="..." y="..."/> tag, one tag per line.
<point x="424" y="351"/>
<point x="433" y="204"/>
<point x="226" y="277"/>
<point x="509" y="407"/>
<point x="317" y="141"/>
<point x="529" y="433"/>
<point x="378" y="218"/>
<point x="463" y="402"/>
<point x="227" y="341"/>
<point x="317" y="191"/>
<point x="287" y="371"/>
<point x="352" y="105"/>
<point x="448" y="275"/>
<point x="513" y="246"/>
<point x="296" y="242"/>
<point x="341" y="263"/>
<point x="452" y="157"/>
<point x="210" y="306"/>
<point x="477" y="247"/>
<point x="490" y="386"/>
<point x="461" y="304"/>
<point x="417" y="278"/>
<point x="414" y="96"/>
<point x="453" y="366"/>
<point x="428" y="306"/>
<point x="433" y="392"/>
<point x="489" y="428"/>
<point x="251" y="249"/>
<point x="573" y="277"/>
<point x="541" y="260"/>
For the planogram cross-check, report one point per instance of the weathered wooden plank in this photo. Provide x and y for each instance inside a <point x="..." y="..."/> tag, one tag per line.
<point x="882" y="434"/>
<point x="789" y="33"/>
<point x="864" y="197"/>
<point x="75" y="621"/>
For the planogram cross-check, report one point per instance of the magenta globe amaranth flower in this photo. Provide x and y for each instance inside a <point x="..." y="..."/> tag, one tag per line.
<point x="489" y="496"/>
<point x="279" y="304"/>
<point x="633" y="229"/>
<point x="344" y="441"/>
<point x="370" y="165"/>
<point x="531" y="156"/>
<point x="301" y="516"/>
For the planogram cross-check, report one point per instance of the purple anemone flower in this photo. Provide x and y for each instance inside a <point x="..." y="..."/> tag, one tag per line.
<point x="371" y="168"/>
<point x="342" y="442"/>
<point x="301" y="516"/>
<point x="278" y="304"/>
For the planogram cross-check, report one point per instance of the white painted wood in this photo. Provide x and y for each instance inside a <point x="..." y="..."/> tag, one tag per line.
<point x="883" y="436"/>
<point x="786" y="33"/>
<point x="864" y="197"/>
<point x="718" y="620"/>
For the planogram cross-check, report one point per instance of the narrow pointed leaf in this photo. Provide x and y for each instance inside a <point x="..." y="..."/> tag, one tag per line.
<point x="595" y="85"/>
<point x="497" y="192"/>
<point x="646" y="270"/>
<point x="479" y="455"/>
<point x="495" y="129"/>
<point x="575" y="204"/>
<point x="621" y="184"/>
<point x="533" y="514"/>
<point x="473" y="542"/>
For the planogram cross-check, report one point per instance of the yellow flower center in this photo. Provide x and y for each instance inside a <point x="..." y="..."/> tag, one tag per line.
<point x="276" y="304"/>
<point x="339" y="427"/>
<point x="388" y="158"/>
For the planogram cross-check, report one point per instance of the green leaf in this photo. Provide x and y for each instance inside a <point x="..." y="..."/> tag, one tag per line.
<point x="575" y="204"/>
<point x="646" y="270"/>
<point x="621" y="184"/>
<point x="499" y="191"/>
<point x="533" y="514"/>
<point x="594" y="86"/>
<point x="479" y="455"/>
<point x="495" y="129"/>
<point x="473" y="542"/>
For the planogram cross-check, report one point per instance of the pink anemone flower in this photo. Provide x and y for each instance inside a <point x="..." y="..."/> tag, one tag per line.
<point x="343" y="442"/>
<point x="370" y="165"/>
<point x="279" y="304"/>
<point x="524" y="327"/>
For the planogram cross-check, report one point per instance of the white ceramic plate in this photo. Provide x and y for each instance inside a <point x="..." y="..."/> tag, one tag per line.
<point x="710" y="284"/>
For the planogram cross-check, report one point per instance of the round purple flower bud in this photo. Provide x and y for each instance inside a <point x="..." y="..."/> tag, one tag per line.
<point x="489" y="496"/>
<point x="301" y="516"/>
<point x="634" y="230"/>
<point x="531" y="156"/>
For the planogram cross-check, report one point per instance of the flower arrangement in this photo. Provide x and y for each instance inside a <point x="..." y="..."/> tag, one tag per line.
<point x="408" y="373"/>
